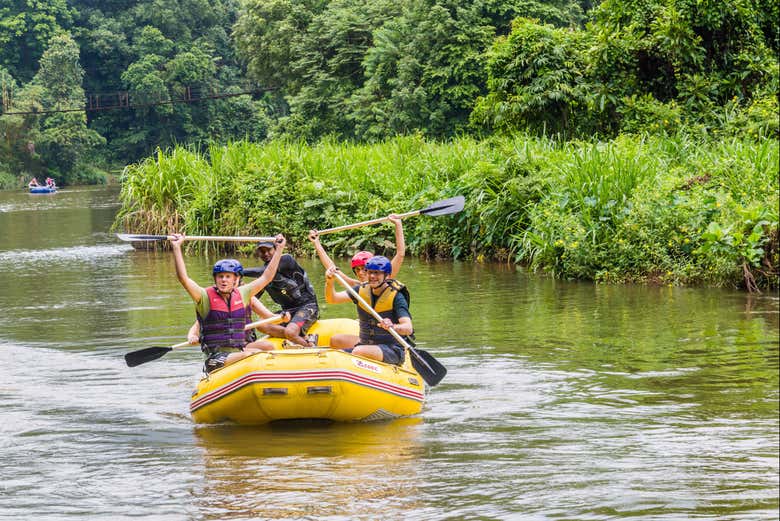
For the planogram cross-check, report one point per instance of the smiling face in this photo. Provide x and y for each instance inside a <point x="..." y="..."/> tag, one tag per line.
<point x="225" y="282"/>
<point x="376" y="278"/>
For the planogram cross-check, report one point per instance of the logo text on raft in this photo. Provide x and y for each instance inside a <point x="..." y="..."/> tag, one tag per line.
<point x="368" y="367"/>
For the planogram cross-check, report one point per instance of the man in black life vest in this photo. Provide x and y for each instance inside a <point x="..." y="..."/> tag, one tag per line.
<point x="390" y="300"/>
<point x="292" y="290"/>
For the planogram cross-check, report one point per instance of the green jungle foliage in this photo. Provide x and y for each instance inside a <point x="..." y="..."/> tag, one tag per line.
<point x="709" y="66"/>
<point x="672" y="209"/>
<point x="366" y="70"/>
<point x="152" y="51"/>
<point x="610" y="140"/>
<point x="371" y="70"/>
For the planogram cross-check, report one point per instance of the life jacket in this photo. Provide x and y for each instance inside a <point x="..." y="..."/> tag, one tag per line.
<point x="289" y="288"/>
<point x="223" y="326"/>
<point x="370" y="332"/>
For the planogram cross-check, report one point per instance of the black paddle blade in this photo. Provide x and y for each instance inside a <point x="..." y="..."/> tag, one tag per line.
<point x="429" y="368"/>
<point x="445" y="206"/>
<point x="145" y="355"/>
<point x="253" y="272"/>
<point x="129" y="237"/>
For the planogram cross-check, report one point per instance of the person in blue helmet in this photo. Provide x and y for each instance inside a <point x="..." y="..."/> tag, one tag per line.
<point x="358" y="265"/>
<point x="193" y="335"/>
<point x="389" y="298"/>
<point x="225" y="308"/>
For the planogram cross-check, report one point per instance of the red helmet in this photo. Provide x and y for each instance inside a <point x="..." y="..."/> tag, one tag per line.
<point x="360" y="258"/>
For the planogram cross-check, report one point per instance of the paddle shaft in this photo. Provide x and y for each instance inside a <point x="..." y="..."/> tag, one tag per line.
<point x="366" y="223"/>
<point x="129" y="237"/>
<point x="270" y="320"/>
<point x="443" y="207"/>
<point x="148" y="354"/>
<point x="378" y="317"/>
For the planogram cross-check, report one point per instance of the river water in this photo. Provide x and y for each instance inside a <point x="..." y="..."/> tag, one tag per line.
<point x="563" y="400"/>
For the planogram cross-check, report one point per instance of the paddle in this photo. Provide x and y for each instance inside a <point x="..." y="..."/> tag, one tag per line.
<point x="153" y="353"/>
<point x="273" y="319"/>
<point x="424" y="363"/>
<point x="443" y="207"/>
<point x="129" y="237"/>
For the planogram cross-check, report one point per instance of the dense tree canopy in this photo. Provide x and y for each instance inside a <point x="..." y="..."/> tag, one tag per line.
<point x="137" y="59"/>
<point x="370" y="70"/>
<point x="155" y="73"/>
<point x="638" y="65"/>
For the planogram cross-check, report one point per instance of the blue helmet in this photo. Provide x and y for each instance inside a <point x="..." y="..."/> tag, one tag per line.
<point x="228" y="266"/>
<point x="379" y="263"/>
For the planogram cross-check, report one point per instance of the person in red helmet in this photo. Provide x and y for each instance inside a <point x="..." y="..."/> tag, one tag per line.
<point x="224" y="308"/>
<point x="359" y="260"/>
<point x="390" y="299"/>
<point x="358" y="263"/>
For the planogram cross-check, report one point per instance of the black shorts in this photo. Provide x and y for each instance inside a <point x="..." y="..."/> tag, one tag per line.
<point x="215" y="361"/>
<point x="305" y="316"/>
<point x="392" y="353"/>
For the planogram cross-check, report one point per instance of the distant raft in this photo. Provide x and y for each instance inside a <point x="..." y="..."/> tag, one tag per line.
<point x="309" y="383"/>
<point x="43" y="189"/>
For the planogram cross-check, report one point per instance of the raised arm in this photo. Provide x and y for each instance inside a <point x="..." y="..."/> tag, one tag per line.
<point x="400" y="245"/>
<point x="270" y="270"/>
<point x="332" y="296"/>
<point x="314" y="237"/>
<point x="190" y="285"/>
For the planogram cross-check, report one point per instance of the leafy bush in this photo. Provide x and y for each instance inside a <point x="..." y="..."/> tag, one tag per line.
<point x="669" y="209"/>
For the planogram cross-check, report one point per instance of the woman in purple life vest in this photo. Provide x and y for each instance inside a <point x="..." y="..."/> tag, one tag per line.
<point x="224" y="309"/>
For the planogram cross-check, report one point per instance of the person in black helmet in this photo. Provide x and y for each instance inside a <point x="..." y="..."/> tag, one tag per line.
<point x="291" y="290"/>
<point x="224" y="308"/>
<point x="390" y="299"/>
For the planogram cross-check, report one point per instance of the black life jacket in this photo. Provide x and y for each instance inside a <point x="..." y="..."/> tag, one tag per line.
<point x="289" y="288"/>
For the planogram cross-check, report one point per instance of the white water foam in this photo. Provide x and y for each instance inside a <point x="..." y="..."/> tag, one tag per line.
<point x="76" y="253"/>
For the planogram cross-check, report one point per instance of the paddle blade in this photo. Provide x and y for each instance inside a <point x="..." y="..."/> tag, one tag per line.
<point x="253" y="272"/>
<point x="445" y="207"/>
<point x="145" y="355"/>
<point x="429" y="368"/>
<point x="129" y="237"/>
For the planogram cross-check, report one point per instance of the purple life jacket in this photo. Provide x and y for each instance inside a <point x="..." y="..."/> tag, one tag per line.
<point x="223" y="326"/>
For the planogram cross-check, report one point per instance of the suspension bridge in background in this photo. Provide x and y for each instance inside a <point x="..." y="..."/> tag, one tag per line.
<point x="127" y="100"/>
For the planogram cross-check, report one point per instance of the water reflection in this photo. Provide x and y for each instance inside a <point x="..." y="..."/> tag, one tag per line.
<point x="262" y="472"/>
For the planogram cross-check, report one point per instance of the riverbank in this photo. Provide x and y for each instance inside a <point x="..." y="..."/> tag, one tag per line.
<point x="662" y="209"/>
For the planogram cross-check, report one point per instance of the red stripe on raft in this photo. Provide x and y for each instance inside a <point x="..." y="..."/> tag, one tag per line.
<point x="304" y="376"/>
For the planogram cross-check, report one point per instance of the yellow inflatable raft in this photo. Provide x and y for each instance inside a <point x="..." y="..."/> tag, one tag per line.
<point x="309" y="383"/>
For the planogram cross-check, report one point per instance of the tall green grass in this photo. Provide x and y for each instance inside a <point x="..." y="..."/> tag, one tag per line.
<point x="671" y="209"/>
